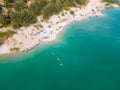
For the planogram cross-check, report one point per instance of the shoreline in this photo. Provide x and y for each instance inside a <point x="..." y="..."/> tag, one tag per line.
<point x="28" y="38"/>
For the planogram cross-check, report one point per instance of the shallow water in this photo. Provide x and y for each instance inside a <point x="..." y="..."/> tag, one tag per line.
<point x="86" y="57"/>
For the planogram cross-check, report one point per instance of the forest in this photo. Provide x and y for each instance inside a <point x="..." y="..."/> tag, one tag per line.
<point x="19" y="13"/>
<point x="111" y="1"/>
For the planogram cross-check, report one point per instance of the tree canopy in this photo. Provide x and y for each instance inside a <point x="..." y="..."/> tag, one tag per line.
<point x="20" y="13"/>
<point x="111" y="1"/>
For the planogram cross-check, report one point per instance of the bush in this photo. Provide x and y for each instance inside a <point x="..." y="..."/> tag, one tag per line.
<point x="15" y="49"/>
<point x="19" y="5"/>
<point x="1" y="41"/>
<point x="111" y="1"/>
<point x="0" y="9"/>
<point x="4" y="20"/>
<point x="5" y="35"/>
<point x="66" y="8"/>
<point x="72" y="13"/>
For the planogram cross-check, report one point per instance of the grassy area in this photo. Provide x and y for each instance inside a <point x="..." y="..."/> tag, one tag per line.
<point x="111" y="1"/>
<point x="15" y="49"/>
<point x="5" y="35"/>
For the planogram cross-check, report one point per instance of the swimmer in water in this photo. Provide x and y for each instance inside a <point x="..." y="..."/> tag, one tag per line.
<point x="61" y="64"/>
<point x="52" y="53"/>
<point x="58" y="59"/>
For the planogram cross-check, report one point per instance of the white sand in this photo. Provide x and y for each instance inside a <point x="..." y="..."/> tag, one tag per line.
<point x="28" y="37"/>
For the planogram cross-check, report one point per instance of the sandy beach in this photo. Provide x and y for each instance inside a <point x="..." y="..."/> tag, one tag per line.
<point x="27" y="38"/>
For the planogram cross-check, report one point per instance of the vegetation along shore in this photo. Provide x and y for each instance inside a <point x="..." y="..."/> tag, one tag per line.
<point x="27" y="23"/>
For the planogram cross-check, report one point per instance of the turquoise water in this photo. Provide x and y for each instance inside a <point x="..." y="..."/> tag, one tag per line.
<point x="85" y="57"/>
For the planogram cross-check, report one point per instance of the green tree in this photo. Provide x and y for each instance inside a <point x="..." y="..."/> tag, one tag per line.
<point x="8" y="2"/>
<point x="4" y="19"/>
<point x="23" y="18"/>
<point x="72" y="12"/>
<point x="20" y="5"/>
<point x="27" y="17"/>
<point x="0" y="9"/>
<point x="37" y="6"/>
<point x="5" y="35"/>
<point x="1" y="41"/>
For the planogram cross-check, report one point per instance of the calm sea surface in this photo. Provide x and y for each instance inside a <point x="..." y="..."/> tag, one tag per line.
<point x="86" y="56"/>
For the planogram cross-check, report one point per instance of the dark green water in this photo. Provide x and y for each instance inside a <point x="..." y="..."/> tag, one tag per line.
<point x="89" y="59"/>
